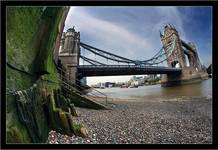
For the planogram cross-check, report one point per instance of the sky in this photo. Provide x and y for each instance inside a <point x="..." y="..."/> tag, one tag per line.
<point x="133" y="31"/>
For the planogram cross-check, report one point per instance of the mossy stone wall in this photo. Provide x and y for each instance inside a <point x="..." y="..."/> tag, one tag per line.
<point x="31" y="34"/>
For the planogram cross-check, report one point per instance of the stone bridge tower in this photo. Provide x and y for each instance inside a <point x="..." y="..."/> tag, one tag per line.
<point x="69" y="53"/>
<point x="170" y="39"/>
<point x="176" y="52"/>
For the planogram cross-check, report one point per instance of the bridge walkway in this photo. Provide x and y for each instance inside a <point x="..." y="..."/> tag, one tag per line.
<point x="110" y="70"/>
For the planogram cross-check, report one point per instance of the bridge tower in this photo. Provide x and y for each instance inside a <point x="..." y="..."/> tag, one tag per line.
<point x="171" y="38"/>
<point x="69" y="53"/>
<point x="180" y="55"/>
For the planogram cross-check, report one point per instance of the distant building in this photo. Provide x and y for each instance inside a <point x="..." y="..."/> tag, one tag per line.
<point x="137" y="80"/>
<point x="100" y="85"/>
<point x="152" y="77"/>
<point x="109" y="84"/>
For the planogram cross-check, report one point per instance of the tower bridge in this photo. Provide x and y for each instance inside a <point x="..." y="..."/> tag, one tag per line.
<point x="112" y="70"/>
<point x="175" y="51"/>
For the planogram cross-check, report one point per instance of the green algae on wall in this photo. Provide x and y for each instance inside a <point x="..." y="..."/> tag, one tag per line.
<point x="29" y="50"/>
<point x="22" y="23"/>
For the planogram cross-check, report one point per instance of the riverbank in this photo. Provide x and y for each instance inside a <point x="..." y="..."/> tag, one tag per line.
<point x="184" y="120"/>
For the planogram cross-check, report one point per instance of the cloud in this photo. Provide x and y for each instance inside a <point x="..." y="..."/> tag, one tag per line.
<point x="69" y="17"/>
<point x="135" y="38"/>
<point x="114" y="37"/>
<point x="172" y="15"/>
<point x="109" y="36"/>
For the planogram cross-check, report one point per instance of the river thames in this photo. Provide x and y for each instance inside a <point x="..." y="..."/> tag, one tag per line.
<point x="199" y="89"/>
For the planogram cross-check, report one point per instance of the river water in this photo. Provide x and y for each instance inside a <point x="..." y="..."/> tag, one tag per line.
<point x="200" y="89"/>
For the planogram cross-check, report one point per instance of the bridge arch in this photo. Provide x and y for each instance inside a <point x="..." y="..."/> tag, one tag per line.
<point x="175" y="64"/>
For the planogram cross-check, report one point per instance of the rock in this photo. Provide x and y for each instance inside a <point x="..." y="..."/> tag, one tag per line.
<point x="83" y="132"/>
<point x="147" y="126"/>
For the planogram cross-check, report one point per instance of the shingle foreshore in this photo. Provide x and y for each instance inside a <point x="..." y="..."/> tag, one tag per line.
<point x="181" y="121"/>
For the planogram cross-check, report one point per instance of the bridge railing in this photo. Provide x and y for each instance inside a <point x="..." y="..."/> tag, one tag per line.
<point x="80" y="89"/>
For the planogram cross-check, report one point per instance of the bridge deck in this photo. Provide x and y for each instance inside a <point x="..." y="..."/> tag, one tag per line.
<point x="112" y="70"/>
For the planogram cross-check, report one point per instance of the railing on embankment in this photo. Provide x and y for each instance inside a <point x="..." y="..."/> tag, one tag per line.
<point x="78" y="92"/>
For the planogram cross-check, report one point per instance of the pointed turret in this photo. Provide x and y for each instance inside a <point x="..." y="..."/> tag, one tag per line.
<point x="161" y="35"/>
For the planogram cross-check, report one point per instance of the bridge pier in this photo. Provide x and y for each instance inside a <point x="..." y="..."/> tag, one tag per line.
<point x="187" y="75"/>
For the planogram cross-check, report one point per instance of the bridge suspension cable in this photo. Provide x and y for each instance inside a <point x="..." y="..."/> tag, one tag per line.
<point x="158" y="58"/>
<point x="105" y="54"/>
<point x="93" y="62"/>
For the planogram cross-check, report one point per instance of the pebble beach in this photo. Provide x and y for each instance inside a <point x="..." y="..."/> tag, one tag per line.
<point x="172" y="121"/>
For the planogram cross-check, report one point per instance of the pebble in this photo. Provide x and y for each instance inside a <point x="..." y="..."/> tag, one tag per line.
<point x="144" y="122"/>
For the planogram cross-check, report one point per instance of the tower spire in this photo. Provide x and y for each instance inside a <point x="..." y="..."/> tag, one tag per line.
<point x="160" y="33"/>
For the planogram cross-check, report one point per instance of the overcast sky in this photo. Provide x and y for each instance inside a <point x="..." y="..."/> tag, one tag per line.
<point x="133" y="32"/>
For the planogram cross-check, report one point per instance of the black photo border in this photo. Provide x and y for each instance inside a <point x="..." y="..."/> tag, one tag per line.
<point x="4" y="4"/>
